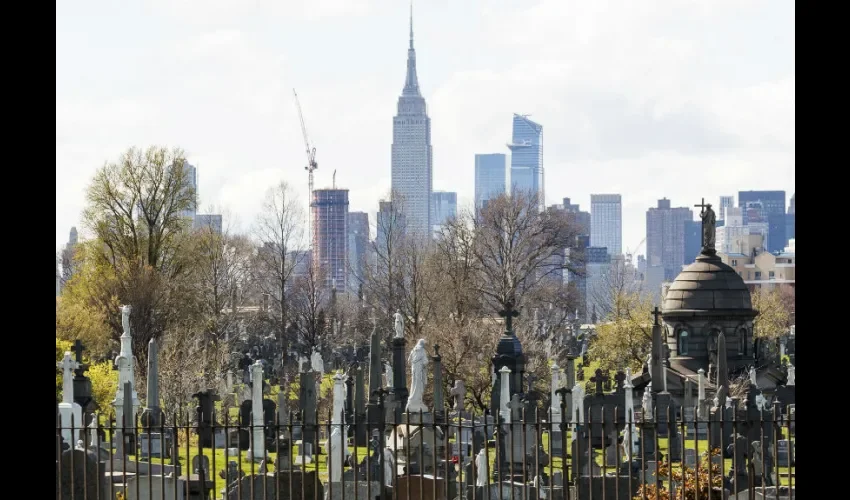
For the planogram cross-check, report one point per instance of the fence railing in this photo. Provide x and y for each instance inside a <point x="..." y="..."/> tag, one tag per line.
<point x="600" y="454"/>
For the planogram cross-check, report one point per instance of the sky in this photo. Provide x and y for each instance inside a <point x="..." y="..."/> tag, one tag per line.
<point x="684" y="99"/>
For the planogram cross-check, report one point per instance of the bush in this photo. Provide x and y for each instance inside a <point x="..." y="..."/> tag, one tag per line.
<point x="688" y="477"/>
<point x="104" y="385"/>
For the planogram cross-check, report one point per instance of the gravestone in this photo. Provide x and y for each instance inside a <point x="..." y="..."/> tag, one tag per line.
<point x="785" y="453"/>
<point x="150" y="445"/>
<point x="206" y="398"/>
<point x="690" y="457"/>
<point x="87" y="475"/>
<point x="420" y="487"/>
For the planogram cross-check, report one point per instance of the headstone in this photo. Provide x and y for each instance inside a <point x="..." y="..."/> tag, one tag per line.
<point x="257" y="451"/>
<point x="421" y="487"/>
<point x="150" y="445"/>
<point x="87" y="475"/>
<point x="124" y="363"/>
<point x="785" y="453"/>
<point x="69" y="411"/>
<point x="206" y="399"/>
<point x="690" y="457"/>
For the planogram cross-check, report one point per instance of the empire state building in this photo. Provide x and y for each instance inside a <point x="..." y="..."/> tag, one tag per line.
<point x="412" y="169"/>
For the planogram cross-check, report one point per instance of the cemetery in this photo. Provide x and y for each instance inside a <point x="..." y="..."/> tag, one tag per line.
<point x="710" y="415"/>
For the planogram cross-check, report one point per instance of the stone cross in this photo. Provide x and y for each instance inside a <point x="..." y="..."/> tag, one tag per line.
<point x="68" y="365"/>
<point x="598" y="379"/>
<point x="515" y="406"/>
<point x="702" y="206"/>
<point x="78" y="355"/>
<point x="509" y="313"/>
<point x="657" y="314"/>
<point x="620" y="377"/>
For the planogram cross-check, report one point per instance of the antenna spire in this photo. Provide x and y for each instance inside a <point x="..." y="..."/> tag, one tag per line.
<point x="411" y="24"/>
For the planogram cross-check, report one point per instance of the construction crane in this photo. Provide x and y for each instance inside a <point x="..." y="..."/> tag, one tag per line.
<point x="636" y="248"/>
<point x="311" y="152"/>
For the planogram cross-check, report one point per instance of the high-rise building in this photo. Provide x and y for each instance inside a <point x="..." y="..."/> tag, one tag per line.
<point x="769" y="206"/>
<point x="330" y="236"/>
<point x="527" y="158"/>
<point x="67" y="259"/>
<point x="213" y="221"/>
<point x="412" y="161"/>
<point x="192" y="174"/>
<point x="579" y="217"/>
<point x="490" y="174"/>
<point x="597" y="283"/>
<point x="725" y="202"/>
<point x="665" y="237"/>
<point x="606" y="222"/>
<point x="576" y="275"/>
<point x="791" y="219"/>
<point x="443" y="207"/>
<point x="693" y="240"/>
<point x="358" y="247"/>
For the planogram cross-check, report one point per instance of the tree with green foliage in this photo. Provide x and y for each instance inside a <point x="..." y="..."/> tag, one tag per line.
<point x="774" y="306"/>
<point x="624" y="338"/>
<point x="136" y="210"/>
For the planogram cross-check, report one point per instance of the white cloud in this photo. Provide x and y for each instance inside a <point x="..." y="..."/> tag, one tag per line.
<point x="650" y="99"/>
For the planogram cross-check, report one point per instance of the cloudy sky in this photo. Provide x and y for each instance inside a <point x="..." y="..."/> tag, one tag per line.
<point x="677" y="98"/>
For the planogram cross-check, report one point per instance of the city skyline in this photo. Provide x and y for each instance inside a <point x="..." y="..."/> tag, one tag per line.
<point x="633" y="118"/>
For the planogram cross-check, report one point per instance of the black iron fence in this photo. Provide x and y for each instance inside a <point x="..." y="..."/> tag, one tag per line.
<point x="705" y="453"/>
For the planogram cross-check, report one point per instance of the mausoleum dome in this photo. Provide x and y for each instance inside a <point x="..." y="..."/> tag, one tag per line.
<point x="707" y="286"/>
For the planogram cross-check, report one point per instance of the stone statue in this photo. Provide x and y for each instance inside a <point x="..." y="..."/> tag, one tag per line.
<point x="791" y="374"/>
<point x="708" y="225"/>
<point x="481" y="468"/>
<point x="389" y="466"/>
<point x="418" y="361"/>
<point x="459" y="393"/>
<point x="753" y="380"/>
<point x="303" y="364"/>
<point x="399" y="325"/>
<point x="316" y="362"/>
<point x="647" y="404"/>
<point x="125" y="318"/>
<point x="388" y="367"/>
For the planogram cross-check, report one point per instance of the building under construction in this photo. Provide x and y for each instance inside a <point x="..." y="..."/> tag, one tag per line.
<point x="329" y="214"/>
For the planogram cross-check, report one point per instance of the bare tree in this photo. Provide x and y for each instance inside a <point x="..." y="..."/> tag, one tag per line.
<point x="280" y="231"/>
<point x="309" y="301"/>
<point x="383" y="278"/>
<point x="417" y="289"/>
<point x="456" y="271"/>
<point x="135" y="208"/>
<point x="517" y="246"/>
<point x="220" y="270"/>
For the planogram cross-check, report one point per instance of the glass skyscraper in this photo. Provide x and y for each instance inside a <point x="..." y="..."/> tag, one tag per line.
<point x="490" y="174"/>
<point x="606" y="222"/>
<point x="770" y="208"/>
<point x="443" y="207"/>
<point x="527" y="157"/>
<point x="412" y="168"/>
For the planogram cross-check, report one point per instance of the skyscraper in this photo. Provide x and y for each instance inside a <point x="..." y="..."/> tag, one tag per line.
<point x="606" y="222"/>
<point x="192" y="173"/>
<point x="770" y="208"/>
<point x="665" y="237"/>
<point x="578" y="217"/>
<point x="330" y="236"/>
<point x="412" y="162"/>
<point x="490" y="174"/>
<point x="358" y="247"/>
<point x="527" y="158"/>
<point x="443" y="206"/>
<point x="725" y="202"/>
<point x="791" y="219"/>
